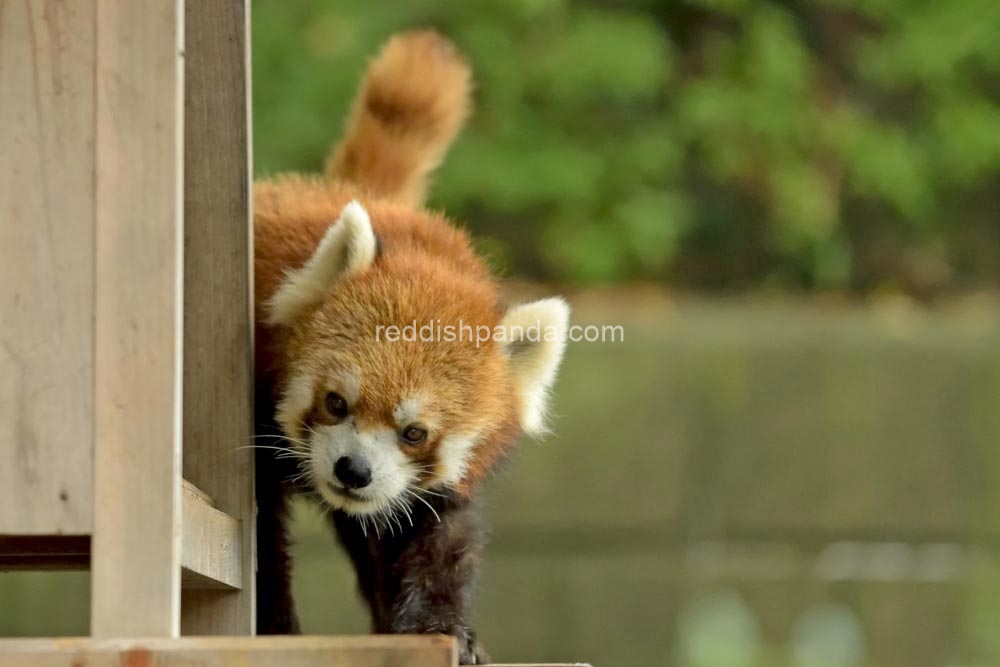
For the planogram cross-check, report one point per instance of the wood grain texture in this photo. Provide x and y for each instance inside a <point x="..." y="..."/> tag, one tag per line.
<point x="368" y="651"/>
<point x="46" y="266"/>
<point x="218" y="331"/>
<point x="211" y="544"/>
<point x="139" y="250"/>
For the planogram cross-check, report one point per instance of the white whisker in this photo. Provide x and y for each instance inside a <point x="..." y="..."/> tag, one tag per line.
<point x="280" y="437"/>
<point x="436" y="515"/>
<point x="285" y="450"/>
<point x="426" y="491"/>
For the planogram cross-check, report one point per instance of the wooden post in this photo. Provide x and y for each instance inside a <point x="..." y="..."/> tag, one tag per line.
<point x="218" y="315"/>
<point x="46" y="267"/>
<point x="136" y="546"/>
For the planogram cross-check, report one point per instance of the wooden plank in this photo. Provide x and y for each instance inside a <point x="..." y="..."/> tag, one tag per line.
<point x="218" y="324"/>
<point x="137" y="462"/>
<point x="46" y="266"/>
<point x="211" y="544"/>
<point x="189" y="489"/>
<point x="367" y="651"/>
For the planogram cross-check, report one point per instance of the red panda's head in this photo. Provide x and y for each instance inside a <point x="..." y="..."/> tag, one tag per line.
<point x="379" y="417"/>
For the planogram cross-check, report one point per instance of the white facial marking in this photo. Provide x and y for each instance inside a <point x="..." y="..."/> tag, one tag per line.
<point x="391" y="470"/>
<point x="299" y="394"/>
<point x="454" y="453"/>
<point x="348" y="385"/>
<point x="408" y="411"/>
<point x="295" y="402"/>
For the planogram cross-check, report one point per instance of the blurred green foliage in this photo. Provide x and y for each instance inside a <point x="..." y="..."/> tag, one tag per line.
<point x="725" y="144"/>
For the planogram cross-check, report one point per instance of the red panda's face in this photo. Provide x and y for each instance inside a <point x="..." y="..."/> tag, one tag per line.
<point x="380" y="423"/>
<point x="378" y="418"/>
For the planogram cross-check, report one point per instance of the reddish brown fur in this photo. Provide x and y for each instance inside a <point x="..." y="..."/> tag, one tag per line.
<point x="413" y="102"/>
<point x="428" y="271"/>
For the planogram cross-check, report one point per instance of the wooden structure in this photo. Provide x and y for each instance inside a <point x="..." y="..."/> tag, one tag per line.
<point x="127" y="362"/>
<point x="126" y="379"/>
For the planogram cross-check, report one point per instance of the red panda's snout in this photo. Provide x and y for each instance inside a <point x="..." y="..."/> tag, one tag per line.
<point x="363" y="471"/>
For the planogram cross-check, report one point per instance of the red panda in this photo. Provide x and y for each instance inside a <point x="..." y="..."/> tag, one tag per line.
<point x="394" y="437"/>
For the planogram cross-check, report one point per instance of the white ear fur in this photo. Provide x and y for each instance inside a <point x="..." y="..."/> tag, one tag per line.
<point x="347" y="248"/>
<point x="535" y="340"/>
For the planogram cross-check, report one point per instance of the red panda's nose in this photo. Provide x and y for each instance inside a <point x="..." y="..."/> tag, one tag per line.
<point x="353" y="473"/>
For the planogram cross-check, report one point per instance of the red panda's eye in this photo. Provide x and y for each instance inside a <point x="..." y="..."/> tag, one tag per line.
<point x="336" y="405"/>
<point x="414" y="434"/>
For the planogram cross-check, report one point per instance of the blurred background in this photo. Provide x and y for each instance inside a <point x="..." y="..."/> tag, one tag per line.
<point x="793" y="210"/>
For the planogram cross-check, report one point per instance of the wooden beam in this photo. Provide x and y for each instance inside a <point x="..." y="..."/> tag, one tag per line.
<point x="135" y="569"/>
<point x="46" y="266"/>
<point x="211" y="553"/>
<point x="367" y="651"/>
<point x="218" y="320"/>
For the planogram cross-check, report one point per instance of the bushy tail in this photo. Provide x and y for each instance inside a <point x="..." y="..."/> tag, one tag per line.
<point x="414" y="100"/>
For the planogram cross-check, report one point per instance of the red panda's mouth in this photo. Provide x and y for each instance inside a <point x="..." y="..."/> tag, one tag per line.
<point x="343" y="492"/>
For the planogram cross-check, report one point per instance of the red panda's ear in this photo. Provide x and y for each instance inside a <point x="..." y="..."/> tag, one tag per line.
<point x="534" y="341"/>
<point x="349" y="247"/>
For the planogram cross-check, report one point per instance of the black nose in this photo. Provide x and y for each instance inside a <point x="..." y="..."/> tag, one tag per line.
<point x="354" y="473"/>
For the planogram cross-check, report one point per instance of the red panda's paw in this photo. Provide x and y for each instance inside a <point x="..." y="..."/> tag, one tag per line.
<point x="470" y="652"/>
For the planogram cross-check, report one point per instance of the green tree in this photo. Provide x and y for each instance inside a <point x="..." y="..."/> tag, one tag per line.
<point x="831" y="144"/>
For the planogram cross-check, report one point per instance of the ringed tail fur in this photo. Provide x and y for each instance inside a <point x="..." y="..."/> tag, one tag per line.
<point x="414" y="100"/>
